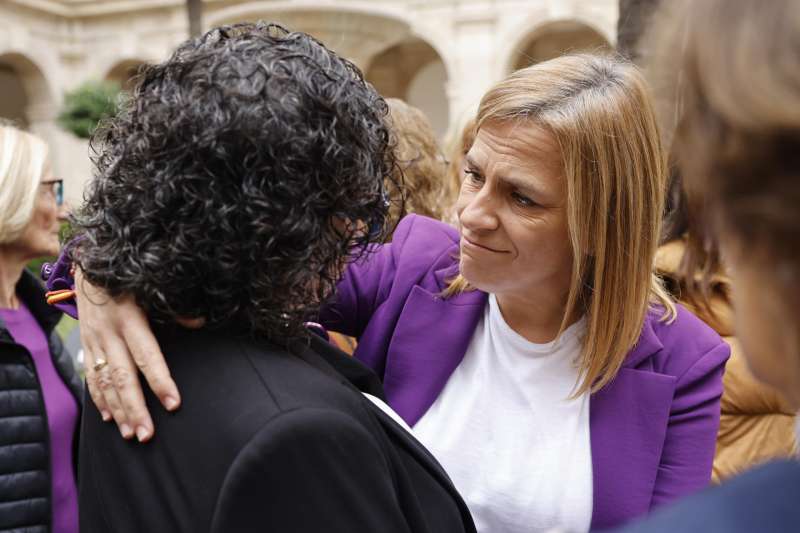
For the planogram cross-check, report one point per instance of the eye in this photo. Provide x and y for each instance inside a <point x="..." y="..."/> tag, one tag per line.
<point x="473" y="176"/>
<point x="522" y="200"/>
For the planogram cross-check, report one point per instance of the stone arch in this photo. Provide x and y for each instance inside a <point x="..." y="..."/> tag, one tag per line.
<point x="367" y="35"/>
<point x="27" y="97"/>
<point x="413" y="70"/>
<point x="123" y="72"/>
<point x="353" y="31"/>
<point x="555" y="38"/>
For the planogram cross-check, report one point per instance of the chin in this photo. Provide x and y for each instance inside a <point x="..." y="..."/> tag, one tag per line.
<point x="51" y="249"/>
<point x="475" y="277"/>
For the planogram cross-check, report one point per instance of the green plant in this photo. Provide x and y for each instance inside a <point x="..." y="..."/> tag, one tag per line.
<point x="87" y="105"/>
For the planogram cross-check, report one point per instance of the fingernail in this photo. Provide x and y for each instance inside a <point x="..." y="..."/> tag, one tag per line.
<point x="171" y="403"/>
<point x="126" y="431"/>
<point x="106" y="416"/>
<point x="142" y="433"/>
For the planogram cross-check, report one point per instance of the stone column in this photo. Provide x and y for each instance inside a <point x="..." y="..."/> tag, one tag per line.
<point x="473" y="70"/>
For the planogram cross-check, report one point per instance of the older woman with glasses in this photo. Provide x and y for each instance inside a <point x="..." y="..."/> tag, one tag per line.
<point x="39" y="388"/>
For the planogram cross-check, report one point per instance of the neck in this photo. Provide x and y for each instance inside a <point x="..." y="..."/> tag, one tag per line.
<point x="11" y="267"/>
<point x="536" y="318"/>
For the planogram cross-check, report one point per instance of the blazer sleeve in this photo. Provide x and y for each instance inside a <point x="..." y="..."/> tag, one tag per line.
<point x="364" y="285"/>
<point x="310" y="469"/>
<point x="690" y="442"/>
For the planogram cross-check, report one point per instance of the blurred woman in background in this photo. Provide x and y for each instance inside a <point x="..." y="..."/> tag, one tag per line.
<point x="738" y="149"/>
<point x="756" y="424"/>
<point x="40" y="393"/>
<point x="421" y="165"/>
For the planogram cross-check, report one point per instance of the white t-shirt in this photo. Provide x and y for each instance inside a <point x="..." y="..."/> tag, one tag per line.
<point x="514" y="444"/>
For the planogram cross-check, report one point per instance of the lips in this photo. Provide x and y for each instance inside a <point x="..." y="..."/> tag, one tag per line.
<point x="471" y="243"/>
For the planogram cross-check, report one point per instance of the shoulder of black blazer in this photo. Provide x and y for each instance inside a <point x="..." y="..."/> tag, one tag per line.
<point x="295" y="424"/>
<point x="355" y="458"/>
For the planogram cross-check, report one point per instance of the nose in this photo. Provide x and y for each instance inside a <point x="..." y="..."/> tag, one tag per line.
<point x="480" y="213"/>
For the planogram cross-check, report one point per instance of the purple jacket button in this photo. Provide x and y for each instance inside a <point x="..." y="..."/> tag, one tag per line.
<point x="47" y="269"/>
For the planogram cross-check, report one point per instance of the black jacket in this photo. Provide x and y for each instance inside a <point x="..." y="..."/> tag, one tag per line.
<point x="24" y="436"/>
<point x="265" y="440"/>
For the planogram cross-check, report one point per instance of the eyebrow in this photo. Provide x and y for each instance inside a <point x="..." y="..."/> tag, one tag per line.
<point x="471" y="162"/>
<point x="517" y="183"/>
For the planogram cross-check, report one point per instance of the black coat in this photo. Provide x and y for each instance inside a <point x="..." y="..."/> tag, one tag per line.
<point x="24" y="435"/>
<point x="265" y="440"/>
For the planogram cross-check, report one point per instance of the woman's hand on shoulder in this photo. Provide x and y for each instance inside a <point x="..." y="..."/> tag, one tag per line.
<point x="117" y="340"/>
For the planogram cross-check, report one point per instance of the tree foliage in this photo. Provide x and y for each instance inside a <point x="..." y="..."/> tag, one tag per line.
<point x="87" y="105"/>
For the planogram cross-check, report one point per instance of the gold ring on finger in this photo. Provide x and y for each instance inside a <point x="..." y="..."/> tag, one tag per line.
<point x="99" y="364"/>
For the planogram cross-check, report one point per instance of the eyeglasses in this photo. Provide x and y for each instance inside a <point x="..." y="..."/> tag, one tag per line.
<point x="55" y="187"/>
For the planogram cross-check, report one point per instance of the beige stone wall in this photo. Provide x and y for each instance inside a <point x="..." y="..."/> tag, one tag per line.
<point x="440" y="55"/>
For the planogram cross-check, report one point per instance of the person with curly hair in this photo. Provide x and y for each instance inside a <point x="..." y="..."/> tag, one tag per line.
<point x="242" y="176"/>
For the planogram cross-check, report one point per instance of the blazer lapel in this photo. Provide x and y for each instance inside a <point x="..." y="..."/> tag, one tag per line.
<point x="628" y="422"/>
<point x="429" y="341"/>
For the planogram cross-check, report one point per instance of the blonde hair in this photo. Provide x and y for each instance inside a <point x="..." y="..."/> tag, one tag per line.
<point x="419" y="159"/>
<point x="23" y="158"/>
<point x="599" y="112"/>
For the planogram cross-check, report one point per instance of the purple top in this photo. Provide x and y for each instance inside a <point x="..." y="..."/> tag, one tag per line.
<point x="653" y="428"/>
<point x="62" y="416"/>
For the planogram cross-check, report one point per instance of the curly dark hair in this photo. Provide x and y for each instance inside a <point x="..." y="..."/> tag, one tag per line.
<point x="237" y="181"/>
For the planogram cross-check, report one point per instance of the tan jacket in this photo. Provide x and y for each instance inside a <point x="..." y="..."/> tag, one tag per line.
<point x="756" y="424"/>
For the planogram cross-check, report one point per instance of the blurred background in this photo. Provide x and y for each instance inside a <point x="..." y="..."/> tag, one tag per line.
<point x="67" y="58"/>
<point x="64" y="64"/>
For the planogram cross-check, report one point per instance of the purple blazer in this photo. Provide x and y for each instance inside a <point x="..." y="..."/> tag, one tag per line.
<point x="653" y="428"/>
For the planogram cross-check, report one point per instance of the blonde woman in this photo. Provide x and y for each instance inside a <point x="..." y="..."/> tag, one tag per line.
<point x="39" y="390"/>
<point x="555" y="380"/>
<point x="756" y="424"/>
